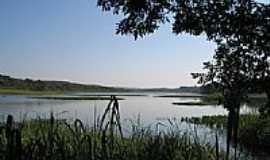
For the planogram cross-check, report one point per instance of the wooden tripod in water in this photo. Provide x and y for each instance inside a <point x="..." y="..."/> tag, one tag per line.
<point x="112" y="114"/>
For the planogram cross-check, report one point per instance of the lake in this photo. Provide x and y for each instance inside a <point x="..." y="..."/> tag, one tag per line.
<point x="148" y="106"/>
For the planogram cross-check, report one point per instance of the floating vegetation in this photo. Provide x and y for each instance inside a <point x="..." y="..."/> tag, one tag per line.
<point x="193" y="103"/>
<point x="109" y="94"/>
<point x="181" y="96"/>
<point x="74" y="98"/>
<point x="28" y="92"/>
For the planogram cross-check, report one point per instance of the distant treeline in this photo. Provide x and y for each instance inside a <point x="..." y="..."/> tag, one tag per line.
<point x="7" y="82"/>
<point x="216" y="88"/>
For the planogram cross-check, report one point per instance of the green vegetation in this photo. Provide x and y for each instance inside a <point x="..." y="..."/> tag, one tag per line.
<point x="9" y="85"/>
<point x="192" y="103"/>
<point x="215" y="98"/>
<point x="256" y="135"/>
<point x="254" y="131"/>
<point x="28" y="92"/>
<point x="218" y="99"/>
<point x="207" y="99"/>
<point x="75" y="98"/>
<point x="115" y="94"/>
<point x="220" y="121"/>
<point x="58" y="140"/>
<point x="181" y="96"/>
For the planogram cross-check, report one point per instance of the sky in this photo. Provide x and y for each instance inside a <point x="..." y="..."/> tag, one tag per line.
<point x="74" y="40"/>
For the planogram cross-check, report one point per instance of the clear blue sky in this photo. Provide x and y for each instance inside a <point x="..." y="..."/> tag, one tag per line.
<point x="73" y="40"/>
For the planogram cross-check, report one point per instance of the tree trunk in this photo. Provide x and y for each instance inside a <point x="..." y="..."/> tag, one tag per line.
<point x="229" y="132"/>
<point x="267" y="106"/>
<point x="232" y="103"/>
<point x="236" y="126"/>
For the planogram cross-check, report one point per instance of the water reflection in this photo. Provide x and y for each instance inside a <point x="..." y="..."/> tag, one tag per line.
<point x="150" y="107"/>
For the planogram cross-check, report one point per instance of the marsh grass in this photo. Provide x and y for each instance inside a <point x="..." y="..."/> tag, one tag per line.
<point x="47" y="139"/>
<point x="209" y="99"/>
<point x="192" y="103"/>
<point x="254" y="131"/>
<point x="217" y="99"/>
<point x="220" y="121"/>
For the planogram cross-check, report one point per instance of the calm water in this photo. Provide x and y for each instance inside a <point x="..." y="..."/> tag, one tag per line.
<point x="150" y="108"/>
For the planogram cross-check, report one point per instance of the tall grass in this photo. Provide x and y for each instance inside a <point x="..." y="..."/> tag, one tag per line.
<point x="254" y="130"/>
<point x="52" y="139"/>
<point x="220" y="121"/>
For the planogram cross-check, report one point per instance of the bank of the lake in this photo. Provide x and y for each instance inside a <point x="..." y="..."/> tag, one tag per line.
<point x="58" y="139"/>
<point x="216" y="99"/>
<point x="254" y="130"/>
<point x="28" y="92"/>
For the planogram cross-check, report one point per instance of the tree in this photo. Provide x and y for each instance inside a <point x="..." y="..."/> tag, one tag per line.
<point x="234" y="70"/>
<point x="240" y="29"/>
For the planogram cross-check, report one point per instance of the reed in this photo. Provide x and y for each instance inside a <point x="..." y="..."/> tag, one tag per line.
<point x="254" y="130"/>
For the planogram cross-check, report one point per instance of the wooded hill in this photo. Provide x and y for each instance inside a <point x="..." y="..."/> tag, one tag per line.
<point x="7" y="82"/>
<point x="10" y="83"/>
